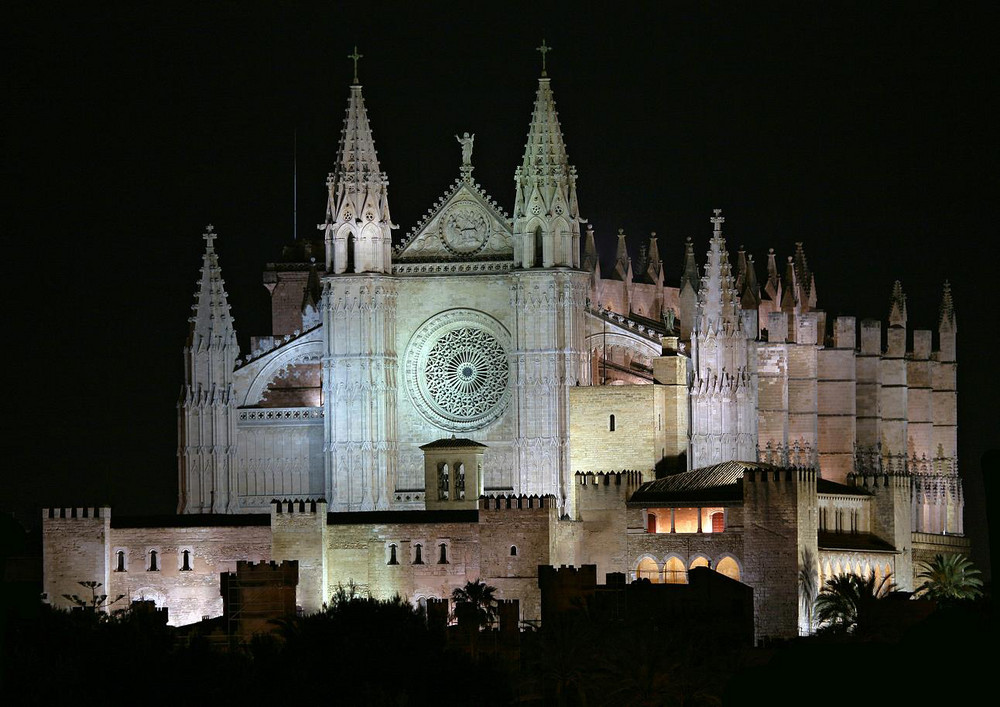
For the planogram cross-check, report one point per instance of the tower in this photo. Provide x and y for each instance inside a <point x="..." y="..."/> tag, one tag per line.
<point x="548" y="299"/>
<point x="358" y="309"/>
<point x="207" y="406"/>
<point x="724" y="386"/>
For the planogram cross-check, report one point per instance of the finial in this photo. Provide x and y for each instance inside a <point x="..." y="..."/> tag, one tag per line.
<point x="355" y="56"/>
<point x="718" y="220"/>
<point x="544" y="50"/>
<point x="621" y="232"/>
<point x="210" y="234"/>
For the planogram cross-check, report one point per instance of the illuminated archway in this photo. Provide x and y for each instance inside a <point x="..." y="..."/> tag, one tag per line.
<point x="699" y="561"/>
<point x="674" y="571"/>
<point x="729" y="567"/>
<point x="648" y="569"/>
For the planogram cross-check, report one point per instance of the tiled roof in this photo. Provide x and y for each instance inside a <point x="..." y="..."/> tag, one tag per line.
<point x="853" y="541"/>
<point x="719" y="482"/>
<point x="835" y="489"/>
<point x="449" y="442"/>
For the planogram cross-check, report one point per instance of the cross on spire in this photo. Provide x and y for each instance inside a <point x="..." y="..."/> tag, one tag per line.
<point x="544" y="49"/>
<point x="210" y="234"/>
<point x="718" y="220"/>
<point x="355" y="56"/>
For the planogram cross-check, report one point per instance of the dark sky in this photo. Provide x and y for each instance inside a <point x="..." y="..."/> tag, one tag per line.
<point x="862" y="130"/>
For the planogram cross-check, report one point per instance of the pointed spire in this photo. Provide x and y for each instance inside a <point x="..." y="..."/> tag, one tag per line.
<point x="805" y="278"/>
<point x="358" y="195"/>
<point x="211" y="323"/>
<point x="717" y="303"/>
<point x="690" y="275"/>
<point x="946" y="317"/>
<point x="622" y="261"/>
<point x="546" y="188"/>
<point x="749" y="290"/>
<point x="789" y="288"/>
<point x="591" y="260"/>
<point x="311" y="294"/>
<point x="773" y="286"/>
<point x="654" y="267"/>
<point x="897" y="308"/>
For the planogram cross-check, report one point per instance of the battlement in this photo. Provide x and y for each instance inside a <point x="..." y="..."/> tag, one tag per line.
<point x="800" y="474"/>
<point x="885" y="479"/>
<point x="630" y="477"/>
<point x="267" y="570"/>
<point x="85" y="512"/>
<point x="288" y="506"/>
<point x="567" y="573"/>
<point x="515" y="502"/>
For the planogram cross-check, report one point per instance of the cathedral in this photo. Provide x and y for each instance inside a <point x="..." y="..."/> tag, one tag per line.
<point x="479" y="397"/>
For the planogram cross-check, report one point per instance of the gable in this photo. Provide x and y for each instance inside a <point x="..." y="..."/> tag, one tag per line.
<point x="465" y="225"/>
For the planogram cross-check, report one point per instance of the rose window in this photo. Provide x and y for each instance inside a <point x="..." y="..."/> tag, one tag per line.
<point x="457" y="370"/>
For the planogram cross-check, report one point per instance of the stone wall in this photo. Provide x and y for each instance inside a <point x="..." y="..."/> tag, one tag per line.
<point x="640" y="430"/>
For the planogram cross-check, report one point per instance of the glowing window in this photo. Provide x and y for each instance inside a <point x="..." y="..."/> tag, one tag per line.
<point x="674" y="571"/>
<point x="648" y="569"/>
<point x="728" y="567"/>
<point x="699" y="562"/>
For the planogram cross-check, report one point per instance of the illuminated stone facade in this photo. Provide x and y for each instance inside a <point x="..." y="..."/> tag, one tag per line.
<point x="602" y="417"/>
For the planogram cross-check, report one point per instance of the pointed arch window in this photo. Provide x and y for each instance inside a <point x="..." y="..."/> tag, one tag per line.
<point x="154" y="561"/>
<point x="185" y="560"/>
<point x="120" y="561"/>
<point x="443" y="554"/>
<point x="418" y="558"/>
<point x="392" y="555"/>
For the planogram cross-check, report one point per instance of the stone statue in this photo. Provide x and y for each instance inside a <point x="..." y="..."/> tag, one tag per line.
<point x="669" y="316"/>
<point x="466" y="142"/>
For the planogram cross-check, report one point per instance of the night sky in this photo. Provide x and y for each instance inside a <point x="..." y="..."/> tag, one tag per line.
<point x="863" y="132"/>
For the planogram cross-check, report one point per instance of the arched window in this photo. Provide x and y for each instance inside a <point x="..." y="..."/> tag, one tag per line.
<point x="674" y="571"/>
<point x="186" y="561"/>
<point x="611" y="423"/>
<point x="539" y="248"/>
<point x="648" y="569"/>
<point x="443" y="482"/>
<point x="460" y="480"/>
<point x="392" y="555"/>
<point x="154" y="561"/>
<point x="120" y="561"/>
<point x="443" y="555"/>
<point x="700" y="561"/>
<point x="728" y="567"/>
<point x="351" y="246"/>
<point x="418" y="554"/>
<point x="513" y="550"/>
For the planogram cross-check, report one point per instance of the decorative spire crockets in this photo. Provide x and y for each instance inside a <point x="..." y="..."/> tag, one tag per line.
<point x="718" y="305"/>
<point x="897" y="307"/>
<point x="358" y="226"/>
<point x="546" y="214"/>
<point x="946" y="318"/>
<point x="211" y="322"/>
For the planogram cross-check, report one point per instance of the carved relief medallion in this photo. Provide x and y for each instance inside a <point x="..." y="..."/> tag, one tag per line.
<point x="457" y="371"/>
<point x="465" y="228"/>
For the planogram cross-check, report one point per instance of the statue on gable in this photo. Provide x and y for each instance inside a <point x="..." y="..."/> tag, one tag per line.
<point x="466" y="141"/>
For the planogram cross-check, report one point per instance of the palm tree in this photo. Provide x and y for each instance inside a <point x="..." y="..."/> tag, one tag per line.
<point x="950" y="578"/>
<point x="847" y="601"/>
<point x="808" y="588"/>
<point x="477" y="596"/>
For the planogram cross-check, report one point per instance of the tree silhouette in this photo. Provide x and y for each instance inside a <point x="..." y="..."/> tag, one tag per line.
<point x="847" y="601"/>
<point x="949" y="578"/>
<point x="477" y="596"/>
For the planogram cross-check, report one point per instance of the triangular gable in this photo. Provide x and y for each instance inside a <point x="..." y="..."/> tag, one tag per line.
<point x="464" y="225"/>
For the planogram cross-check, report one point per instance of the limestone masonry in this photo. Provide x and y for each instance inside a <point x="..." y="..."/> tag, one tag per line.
<point x="478" y="398"/>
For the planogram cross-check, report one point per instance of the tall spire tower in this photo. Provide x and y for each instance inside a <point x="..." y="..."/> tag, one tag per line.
<point x="358" y="308"/>
<point x="358" y="229"/>
<point x="548" y="295"/>
<point x="724" y="386"/>
<point x="207" y="406"/>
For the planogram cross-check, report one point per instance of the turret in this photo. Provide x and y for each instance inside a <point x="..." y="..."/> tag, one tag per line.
<point x="207" y="407"/>
<point x="358" y="227"/>
<point x="654" y="266"/>
<point x="805" y="280"/>
<point x="591" y="260"/>
<point x="546" y="215"/>
<point x="623" y="263"/>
